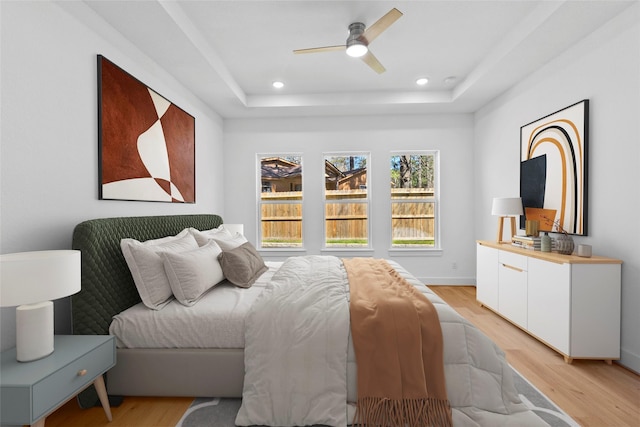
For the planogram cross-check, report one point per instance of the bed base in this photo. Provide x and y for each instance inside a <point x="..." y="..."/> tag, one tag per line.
<point x="177" y="372"/>
<point x="190" y="372"/>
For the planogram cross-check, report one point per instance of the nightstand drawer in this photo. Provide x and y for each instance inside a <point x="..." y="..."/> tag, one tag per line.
<point x="69" y="380"/>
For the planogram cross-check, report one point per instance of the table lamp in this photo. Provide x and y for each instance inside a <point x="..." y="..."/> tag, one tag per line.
<point x="506" y="207"/>
<point x="30" y="280"/>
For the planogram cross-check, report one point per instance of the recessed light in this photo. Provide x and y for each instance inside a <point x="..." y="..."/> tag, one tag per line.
<point x="422" y="81"/>
<point x="450" y="80"/>
<point x="277" y="84"/>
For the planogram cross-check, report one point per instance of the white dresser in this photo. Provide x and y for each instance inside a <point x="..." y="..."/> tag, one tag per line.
<point x="570" y="303"/>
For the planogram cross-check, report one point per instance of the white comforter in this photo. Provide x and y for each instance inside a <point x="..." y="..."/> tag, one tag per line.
<point x="296" y="340"/>
<point x="296" y="345"/>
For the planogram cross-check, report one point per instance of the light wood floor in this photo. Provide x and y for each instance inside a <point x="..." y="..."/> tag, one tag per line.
<point x="591" y="392"/>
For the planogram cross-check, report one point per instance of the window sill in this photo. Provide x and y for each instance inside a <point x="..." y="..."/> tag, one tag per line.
<point x="402" y="252"/>
<point x="282" y="252"/>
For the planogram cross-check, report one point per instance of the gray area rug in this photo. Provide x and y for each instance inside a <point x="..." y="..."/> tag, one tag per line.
<point x="221" y="412"/>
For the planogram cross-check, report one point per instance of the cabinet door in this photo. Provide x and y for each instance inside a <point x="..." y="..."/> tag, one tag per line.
<point x="595" y="310"/>
<point x="487" y="276"/>
<point x="512" y="288"/>
<point x="549" y="305"/>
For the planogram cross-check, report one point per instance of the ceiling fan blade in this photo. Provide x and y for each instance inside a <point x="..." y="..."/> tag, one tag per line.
<point x="381" y="24"/>
<point x="320" y="49"/>
<point x="373" y="62"/>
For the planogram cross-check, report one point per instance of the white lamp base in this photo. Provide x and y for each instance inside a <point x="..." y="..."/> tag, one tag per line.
<point x="34" y="331"/>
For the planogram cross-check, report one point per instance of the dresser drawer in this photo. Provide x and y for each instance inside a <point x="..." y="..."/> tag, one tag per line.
<point x="69" y="380"/>
<point x="511" y="260"/>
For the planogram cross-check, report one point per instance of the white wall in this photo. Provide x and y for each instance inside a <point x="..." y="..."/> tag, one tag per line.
<point x="604" y="68"/>
<point x="451" y="134"/>
<point x="48" y="149"/>
<point x="49" y="145"/>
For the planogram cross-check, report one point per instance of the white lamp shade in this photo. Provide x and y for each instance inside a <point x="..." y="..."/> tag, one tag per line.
<point x="507" y="206"/>
<point x="32" y="277"/>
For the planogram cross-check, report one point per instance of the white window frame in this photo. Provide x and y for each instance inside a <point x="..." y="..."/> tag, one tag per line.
<point x="260" y="203"/>
<point x="437" y="248"/>
<point x="366" y="200"/>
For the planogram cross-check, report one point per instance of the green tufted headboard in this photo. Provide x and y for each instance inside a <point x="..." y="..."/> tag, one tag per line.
<point x="107" y="285"/>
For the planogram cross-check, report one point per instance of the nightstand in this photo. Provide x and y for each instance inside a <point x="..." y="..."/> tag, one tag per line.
<point x="32" y="390"/>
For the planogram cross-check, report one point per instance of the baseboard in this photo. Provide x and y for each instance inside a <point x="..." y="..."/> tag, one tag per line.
<point x="629" y="360"/>
<point x="448" y="281"/>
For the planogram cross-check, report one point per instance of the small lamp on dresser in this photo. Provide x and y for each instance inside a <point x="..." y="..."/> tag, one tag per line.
<point x="29" y="281"/>
<point x="504" y="207"/>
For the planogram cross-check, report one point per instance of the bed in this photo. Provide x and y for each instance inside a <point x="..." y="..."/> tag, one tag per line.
<point x="478" y="379"/>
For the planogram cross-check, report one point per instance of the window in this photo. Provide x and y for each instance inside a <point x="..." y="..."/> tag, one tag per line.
<point x="414" y="201"/>
<point x="346" y="200"/>
<point x="280" y="205"/>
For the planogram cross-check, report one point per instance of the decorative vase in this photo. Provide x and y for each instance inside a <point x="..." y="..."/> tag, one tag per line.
<point x="545" y="243"/>
<point x="564" y="244"/>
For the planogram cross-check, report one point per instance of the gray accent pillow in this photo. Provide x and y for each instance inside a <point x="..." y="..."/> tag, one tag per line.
<point x="242" y="265"/>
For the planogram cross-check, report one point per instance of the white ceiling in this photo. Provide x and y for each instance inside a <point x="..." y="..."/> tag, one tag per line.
<point x="229" y="52"/>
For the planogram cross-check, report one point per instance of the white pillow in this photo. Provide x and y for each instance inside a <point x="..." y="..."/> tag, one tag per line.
<point x="146" y="266"/>
<point x="230" y="243"/>
<point x="203" y="237"/>
<point x="194" y="272"/>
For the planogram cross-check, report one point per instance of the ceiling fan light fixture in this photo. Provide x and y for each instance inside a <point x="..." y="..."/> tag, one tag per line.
<point x="356" y="50"/>
<point x="358" y="40"/>
<point x="356" y="47"/>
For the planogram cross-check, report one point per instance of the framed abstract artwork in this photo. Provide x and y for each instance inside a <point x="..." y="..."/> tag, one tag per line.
<point x="553" y="170"/>
<point x="146" y="144"/>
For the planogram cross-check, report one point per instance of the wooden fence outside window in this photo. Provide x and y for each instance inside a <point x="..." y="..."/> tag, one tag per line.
<point x="412" y="221"/>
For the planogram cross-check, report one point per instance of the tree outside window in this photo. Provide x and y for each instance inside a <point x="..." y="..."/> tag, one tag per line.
<point x="413" y="200"/>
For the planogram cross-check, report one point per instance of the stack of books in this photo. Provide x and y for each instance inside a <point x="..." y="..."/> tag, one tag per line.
<point x="526" y="242"/>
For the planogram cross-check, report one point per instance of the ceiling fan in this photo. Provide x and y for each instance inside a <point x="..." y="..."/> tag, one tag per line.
<point x="357" y="44"/>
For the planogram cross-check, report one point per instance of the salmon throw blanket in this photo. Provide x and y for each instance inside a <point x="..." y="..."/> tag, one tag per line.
<point x="399" y="349"/>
